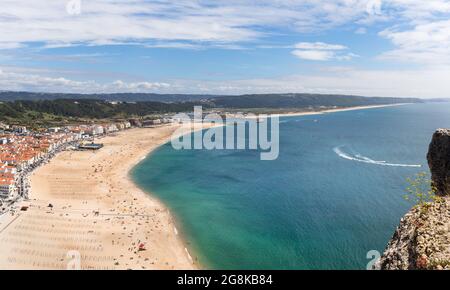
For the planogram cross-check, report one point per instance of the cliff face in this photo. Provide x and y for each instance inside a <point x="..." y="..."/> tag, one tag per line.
<point x="439" y="161"/>
<point x="422" y="240"/>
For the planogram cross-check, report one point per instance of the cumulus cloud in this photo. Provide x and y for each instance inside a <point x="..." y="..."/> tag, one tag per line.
<point x="320" y="55"/>
<point x="138" y="86"/>
<point x="344" y="80"/>
<point x="319" y="46"/>
<point x="103" y="21"/>
<point x="427" y="43"/>
<point x="321" y="51"/>
<point x="432" y="83"/>
<point x="419" y="31"/>
<point x="194" y="23"/>
<point x="25" y="80"/>
<point x="373" y="7"/>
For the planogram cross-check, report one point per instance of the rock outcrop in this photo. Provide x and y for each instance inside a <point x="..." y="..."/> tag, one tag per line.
<point x="422" y="240"/>
<point x="439" y="161"/>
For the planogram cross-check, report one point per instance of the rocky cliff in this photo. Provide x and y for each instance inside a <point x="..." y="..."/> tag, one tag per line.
<point x="439" y="161"/>
<point x="422" y="240"/>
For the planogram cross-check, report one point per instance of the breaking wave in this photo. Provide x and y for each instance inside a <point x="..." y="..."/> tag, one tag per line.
<point x="364" y="159"/>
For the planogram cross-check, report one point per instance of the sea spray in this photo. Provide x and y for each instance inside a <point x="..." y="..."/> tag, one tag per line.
<point x="364" y="159"/>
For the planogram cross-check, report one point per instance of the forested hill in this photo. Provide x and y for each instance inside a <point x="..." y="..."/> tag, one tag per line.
<point x="240" y="101"/>
<point x="87" y="108"/>
<point x="97" y="108"/>
<point x="130" y="97"/>
<point x="304" y="100"/>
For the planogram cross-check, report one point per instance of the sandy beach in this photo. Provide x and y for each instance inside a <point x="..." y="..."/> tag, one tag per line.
<point x="325" y="111"/>
<point x="339" y="110"/>
<point x="97" y="212"/>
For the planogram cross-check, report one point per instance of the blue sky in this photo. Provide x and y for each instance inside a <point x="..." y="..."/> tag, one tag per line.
<point x="366" y="47"/>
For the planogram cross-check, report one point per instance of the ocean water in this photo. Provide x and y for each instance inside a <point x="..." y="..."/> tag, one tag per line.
<point x="335" y="192"/>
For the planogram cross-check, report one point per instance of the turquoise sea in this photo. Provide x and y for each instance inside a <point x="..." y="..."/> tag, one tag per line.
<point x="335" y="192"/>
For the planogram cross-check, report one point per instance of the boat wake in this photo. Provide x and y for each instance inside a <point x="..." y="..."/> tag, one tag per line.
<point x="298" y="120"/>
<point x="364" y="159"/>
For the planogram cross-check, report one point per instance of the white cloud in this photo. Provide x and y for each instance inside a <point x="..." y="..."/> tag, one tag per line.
<point x="25" y="80"/>
<point x="427" y="43"/>
<point x="196" y="24"/>
<point x="320" y="51"/>
<point x="431" y="83"/>
<point x="320" y="55"/>
<point x="122" y="21"/>
<point x="373" y="7"/>
<point x="415" y="10"/>
<point x="419" y="31"/>
<point x="137" y="86"/>
<point x="319" y="46"/>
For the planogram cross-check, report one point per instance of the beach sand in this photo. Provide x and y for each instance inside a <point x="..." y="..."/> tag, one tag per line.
<point x="339" y="110"/>
<point x="326" y="111"/>
<point x="97" y="212"/>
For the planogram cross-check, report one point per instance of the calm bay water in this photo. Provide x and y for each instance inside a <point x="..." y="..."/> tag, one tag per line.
<point x="335" y="192"/>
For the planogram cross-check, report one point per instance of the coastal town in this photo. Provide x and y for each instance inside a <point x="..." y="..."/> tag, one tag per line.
<point x="84" y="211"/>
<point x="23" y="150"/>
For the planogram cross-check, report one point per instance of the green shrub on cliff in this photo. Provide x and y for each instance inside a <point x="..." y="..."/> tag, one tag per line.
<point x="421" y="191"/>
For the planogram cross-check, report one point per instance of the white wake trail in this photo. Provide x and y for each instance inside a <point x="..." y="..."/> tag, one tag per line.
<point x="364" y="159"/>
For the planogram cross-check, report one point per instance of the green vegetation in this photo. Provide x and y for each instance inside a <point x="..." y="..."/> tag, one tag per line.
<point x="57" y="111"/>
<point x="41" y="109"/>
<point x="421" y="191"/>
<point x="438" y="264"/>
<point x="303" y="101"/>
<point x="223" y="101"/>
<point x="124" y="97"/>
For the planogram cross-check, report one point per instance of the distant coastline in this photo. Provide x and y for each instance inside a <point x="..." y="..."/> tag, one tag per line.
<point x="329" y="111"/>
<point x="341" y="110"/>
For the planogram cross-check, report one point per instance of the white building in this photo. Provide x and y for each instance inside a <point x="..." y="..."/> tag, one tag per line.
<point x="54" y="129"/>
<point x="19" y="129"/>
<point x="98" y="130"/>
<point x="7" y="188"/>
<point x="3" y="126"/>
<point x="7" y="169"/>
<point x="111" y="128"/>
